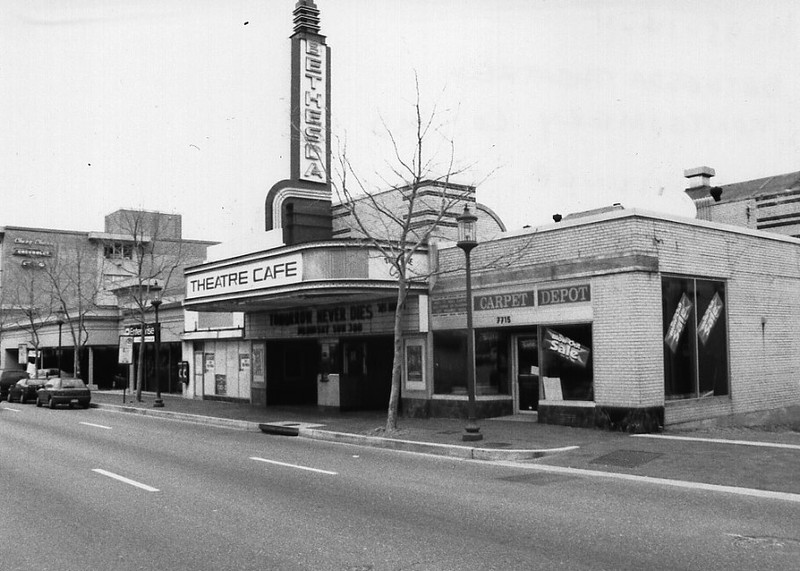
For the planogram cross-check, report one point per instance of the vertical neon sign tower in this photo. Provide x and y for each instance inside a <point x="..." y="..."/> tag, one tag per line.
<point x="301" y="205"/>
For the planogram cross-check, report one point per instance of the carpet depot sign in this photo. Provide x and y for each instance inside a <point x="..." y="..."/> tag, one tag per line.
<point x="250" y="276"/>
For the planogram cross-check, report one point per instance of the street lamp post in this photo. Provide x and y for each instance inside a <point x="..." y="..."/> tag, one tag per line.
<point x="60" y="325"/>
<point x="467" y="240"/>
<point x="156" y="303"/>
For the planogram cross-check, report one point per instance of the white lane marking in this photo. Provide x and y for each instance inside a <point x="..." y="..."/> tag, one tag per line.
<point x="12" y="409"/>
<point x="721" y="441"/>
<point x="294" y="466"/>
<point x="124" y="479"/>
<point x="95" y="425"/>
<point x="764" y="494"/>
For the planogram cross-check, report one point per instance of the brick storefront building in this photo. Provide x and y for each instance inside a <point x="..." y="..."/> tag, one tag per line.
<point x="623" y="319"/>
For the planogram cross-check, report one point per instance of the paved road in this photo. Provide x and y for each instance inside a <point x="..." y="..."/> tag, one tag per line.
<point x="94" y="489"/>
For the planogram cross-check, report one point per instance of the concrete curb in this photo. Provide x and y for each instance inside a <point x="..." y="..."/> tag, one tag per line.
<point x="450" y="450"/>
<point x="183" y="416"/>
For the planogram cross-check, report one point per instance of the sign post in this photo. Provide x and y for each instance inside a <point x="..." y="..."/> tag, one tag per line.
<point x="125" y="358"/>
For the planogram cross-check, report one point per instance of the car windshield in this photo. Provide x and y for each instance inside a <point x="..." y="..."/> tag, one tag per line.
<point x="72" y="384"/>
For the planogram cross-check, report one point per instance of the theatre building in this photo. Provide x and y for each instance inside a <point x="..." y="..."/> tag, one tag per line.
<point x="318" y="320"/>
<point x="616" y="318"/>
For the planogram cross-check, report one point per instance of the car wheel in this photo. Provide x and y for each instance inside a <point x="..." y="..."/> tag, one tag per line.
<point x="38" y="402"/>
<point x="52" y="403"/>
<point x="8" y="398"/>
<point x="22" y="398"/>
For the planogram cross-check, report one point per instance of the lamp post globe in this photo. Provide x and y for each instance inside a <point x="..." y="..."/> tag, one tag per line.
<point x="156" y="303"/>
<point x="467" y="240"/>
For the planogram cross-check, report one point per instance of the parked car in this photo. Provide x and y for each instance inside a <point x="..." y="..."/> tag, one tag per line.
<point x="64" y="391"/>
<point x="24" y="390"/>
<point x="48" y="373"/>
<point x="10" y="377"/>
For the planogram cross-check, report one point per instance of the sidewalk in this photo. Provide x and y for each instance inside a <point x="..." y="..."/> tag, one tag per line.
<point x="740" y="458"/>
<point x="503" y="439"/>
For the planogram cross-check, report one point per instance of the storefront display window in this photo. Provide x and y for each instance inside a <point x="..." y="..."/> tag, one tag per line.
<point x="695" y="338"/>
<point x="566" y="362"/>
<point x="449" y="366"/>
<point x="491" y="363"/>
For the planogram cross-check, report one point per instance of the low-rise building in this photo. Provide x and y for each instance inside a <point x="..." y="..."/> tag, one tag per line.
<point x="67" y="297"/>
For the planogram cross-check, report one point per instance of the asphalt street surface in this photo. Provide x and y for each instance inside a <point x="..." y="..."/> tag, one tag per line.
<point x="96" y="489"/>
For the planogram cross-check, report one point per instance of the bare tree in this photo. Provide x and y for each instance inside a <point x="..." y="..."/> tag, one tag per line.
<point x="389" y="226"/>
<point x="147" y="265"/>
<point x="74" y="287"/>
<point x="31" y="303"/>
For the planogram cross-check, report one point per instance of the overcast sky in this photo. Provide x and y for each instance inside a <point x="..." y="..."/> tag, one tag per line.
<point x="555" y="106"/>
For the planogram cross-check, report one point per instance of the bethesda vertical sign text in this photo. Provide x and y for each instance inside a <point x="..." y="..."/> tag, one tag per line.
<point x="313" y="94"/>
<point x="262" y="274"/>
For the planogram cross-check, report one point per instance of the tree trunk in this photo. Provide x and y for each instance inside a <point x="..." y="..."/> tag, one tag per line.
<point x="397" y="362"/>
<point x="140" y="372"/>
<point x="76" y="351"/>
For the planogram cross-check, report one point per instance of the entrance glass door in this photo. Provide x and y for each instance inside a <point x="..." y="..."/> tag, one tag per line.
<point x="527" y="373"/>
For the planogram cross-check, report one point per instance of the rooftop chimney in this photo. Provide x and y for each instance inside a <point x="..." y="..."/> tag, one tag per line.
<point x="699" y="177"/>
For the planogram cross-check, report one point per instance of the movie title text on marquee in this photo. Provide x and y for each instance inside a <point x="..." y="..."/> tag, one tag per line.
<point x="313" y="94"/>
<point x="262" y="274"/>
<point x="332" y="320"/>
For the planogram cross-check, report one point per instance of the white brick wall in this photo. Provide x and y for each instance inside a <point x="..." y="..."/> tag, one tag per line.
<point x="626" y="337"/>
